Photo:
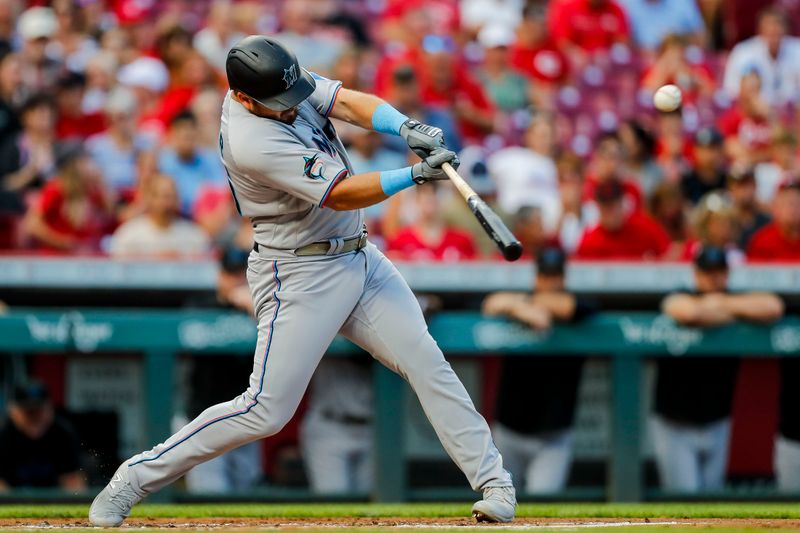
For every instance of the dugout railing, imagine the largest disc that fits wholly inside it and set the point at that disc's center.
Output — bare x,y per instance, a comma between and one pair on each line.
628,339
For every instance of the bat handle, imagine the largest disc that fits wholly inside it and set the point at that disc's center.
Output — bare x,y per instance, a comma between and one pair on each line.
463,187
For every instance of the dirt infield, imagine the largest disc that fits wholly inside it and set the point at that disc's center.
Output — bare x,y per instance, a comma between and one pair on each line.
222,524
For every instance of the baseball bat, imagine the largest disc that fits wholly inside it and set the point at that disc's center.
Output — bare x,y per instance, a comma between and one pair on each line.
491,223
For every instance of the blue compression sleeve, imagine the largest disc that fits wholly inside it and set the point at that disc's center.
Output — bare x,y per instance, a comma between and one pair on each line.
393,181
386,119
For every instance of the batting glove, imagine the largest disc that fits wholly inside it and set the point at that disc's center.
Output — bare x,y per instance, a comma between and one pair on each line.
421,138
430,168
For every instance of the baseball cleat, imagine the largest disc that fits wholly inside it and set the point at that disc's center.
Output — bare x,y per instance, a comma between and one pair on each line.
498,505
114,503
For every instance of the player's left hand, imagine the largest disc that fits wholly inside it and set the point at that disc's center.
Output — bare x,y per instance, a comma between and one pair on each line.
430,168
422,138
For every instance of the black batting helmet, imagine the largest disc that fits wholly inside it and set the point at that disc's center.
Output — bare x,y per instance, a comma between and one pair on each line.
268,72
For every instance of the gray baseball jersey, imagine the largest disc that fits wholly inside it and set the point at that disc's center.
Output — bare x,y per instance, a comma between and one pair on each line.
281,174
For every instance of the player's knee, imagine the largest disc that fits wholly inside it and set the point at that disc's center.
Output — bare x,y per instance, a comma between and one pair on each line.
271,421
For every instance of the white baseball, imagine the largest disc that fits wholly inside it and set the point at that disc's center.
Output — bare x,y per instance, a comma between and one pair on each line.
667,98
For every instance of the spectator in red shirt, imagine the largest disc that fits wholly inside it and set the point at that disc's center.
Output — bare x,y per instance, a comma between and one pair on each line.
618,235
780,239
429,238
447,82
73,212
534,53
583,27
747,126
606,166
672,67
73,123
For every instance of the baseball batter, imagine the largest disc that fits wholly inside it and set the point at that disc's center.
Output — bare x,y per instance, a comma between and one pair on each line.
313,274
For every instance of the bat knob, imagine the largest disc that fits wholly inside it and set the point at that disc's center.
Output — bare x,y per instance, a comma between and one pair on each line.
512,251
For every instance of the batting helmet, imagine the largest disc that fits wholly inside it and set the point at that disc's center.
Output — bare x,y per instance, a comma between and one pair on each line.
268,72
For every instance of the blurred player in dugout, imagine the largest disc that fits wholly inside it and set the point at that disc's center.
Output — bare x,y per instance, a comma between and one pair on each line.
693,396
534,424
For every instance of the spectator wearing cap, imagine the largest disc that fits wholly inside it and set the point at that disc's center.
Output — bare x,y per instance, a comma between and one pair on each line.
535,411
782,164
36,27
148,78
708,172
73,123
748,124
26,159
527,175
605,165
39,449
191,166
429,238
219,34
118,149
159,232
508,89
534,52
715,224
742,192
651,21
619,235
581,28
773,55
780,239
73,212
693,396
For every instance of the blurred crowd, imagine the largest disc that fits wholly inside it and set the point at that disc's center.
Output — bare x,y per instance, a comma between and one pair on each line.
109,116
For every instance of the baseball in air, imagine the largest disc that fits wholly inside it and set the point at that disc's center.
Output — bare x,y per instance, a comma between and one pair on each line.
667,98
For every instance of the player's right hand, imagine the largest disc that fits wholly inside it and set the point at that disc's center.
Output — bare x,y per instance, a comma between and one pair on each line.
430,168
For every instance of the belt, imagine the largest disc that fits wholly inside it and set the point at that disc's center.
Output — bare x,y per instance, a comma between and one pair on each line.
330,247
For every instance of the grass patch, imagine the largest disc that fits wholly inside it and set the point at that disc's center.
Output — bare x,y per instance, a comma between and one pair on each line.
423,510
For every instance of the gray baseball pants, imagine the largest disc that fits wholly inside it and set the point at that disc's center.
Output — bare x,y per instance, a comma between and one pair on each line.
301,305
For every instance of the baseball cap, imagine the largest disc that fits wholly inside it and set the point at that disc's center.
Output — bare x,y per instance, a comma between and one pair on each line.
495,36
711,258
147,72
708,136
550,260
30,395
608,191
68,152
37,23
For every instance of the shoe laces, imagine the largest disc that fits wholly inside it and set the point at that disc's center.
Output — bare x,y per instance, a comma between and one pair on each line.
123,496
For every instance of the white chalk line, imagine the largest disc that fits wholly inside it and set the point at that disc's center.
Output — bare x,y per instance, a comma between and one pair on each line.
290,525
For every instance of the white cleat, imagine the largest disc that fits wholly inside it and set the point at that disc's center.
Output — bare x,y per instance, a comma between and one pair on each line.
114,503
498,505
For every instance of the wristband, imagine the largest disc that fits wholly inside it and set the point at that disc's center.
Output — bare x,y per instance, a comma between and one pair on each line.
387,119
394,181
